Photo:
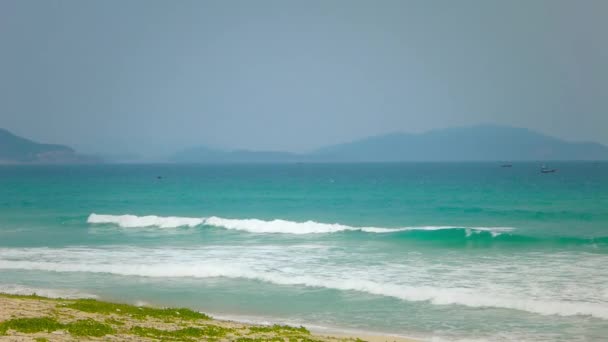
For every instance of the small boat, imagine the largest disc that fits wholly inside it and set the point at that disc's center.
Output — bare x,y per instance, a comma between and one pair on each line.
506,165
544,169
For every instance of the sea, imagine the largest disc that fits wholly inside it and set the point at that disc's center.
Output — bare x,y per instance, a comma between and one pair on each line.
433,251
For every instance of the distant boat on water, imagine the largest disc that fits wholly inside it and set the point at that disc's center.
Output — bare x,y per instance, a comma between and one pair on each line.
544,169
506,165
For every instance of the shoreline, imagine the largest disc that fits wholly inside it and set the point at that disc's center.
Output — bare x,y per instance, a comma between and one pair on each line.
32,317
317,329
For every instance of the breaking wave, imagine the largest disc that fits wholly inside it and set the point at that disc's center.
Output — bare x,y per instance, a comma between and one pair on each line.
132,221
271,226
470,297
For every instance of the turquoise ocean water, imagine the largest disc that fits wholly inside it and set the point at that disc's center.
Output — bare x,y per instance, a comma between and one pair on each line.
436,251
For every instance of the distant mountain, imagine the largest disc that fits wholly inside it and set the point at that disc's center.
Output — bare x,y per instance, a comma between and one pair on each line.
18,150
475,143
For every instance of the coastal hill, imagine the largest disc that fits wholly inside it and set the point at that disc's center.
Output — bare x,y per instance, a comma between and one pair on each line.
18,150
474,143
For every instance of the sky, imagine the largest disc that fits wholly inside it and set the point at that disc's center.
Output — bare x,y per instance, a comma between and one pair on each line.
151,77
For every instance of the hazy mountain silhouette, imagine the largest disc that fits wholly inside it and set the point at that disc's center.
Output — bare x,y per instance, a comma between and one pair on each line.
475,143
18,150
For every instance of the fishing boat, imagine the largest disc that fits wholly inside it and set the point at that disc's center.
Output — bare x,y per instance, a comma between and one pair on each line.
544,169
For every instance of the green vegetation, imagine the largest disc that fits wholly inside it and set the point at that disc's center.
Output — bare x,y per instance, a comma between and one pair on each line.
209,331
86,327
279,329
31,325
169,324
89,327
94,306
262,339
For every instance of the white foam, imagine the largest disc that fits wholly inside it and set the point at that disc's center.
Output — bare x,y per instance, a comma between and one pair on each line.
263,226
132,221
437,296
217,263
276,226
16,289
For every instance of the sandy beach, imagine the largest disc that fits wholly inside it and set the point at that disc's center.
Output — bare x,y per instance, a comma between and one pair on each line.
34,318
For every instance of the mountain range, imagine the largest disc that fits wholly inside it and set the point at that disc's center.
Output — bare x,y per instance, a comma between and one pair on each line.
18,150
473,143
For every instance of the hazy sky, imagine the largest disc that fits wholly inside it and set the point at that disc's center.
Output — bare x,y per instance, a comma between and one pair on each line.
154,76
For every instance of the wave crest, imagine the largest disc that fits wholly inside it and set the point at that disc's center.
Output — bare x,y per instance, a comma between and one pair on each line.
132,221
263,226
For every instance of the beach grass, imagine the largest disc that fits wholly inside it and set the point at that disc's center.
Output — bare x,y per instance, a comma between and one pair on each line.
89,327
48,319
185,334
31,325
85,327
139,312
280,329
